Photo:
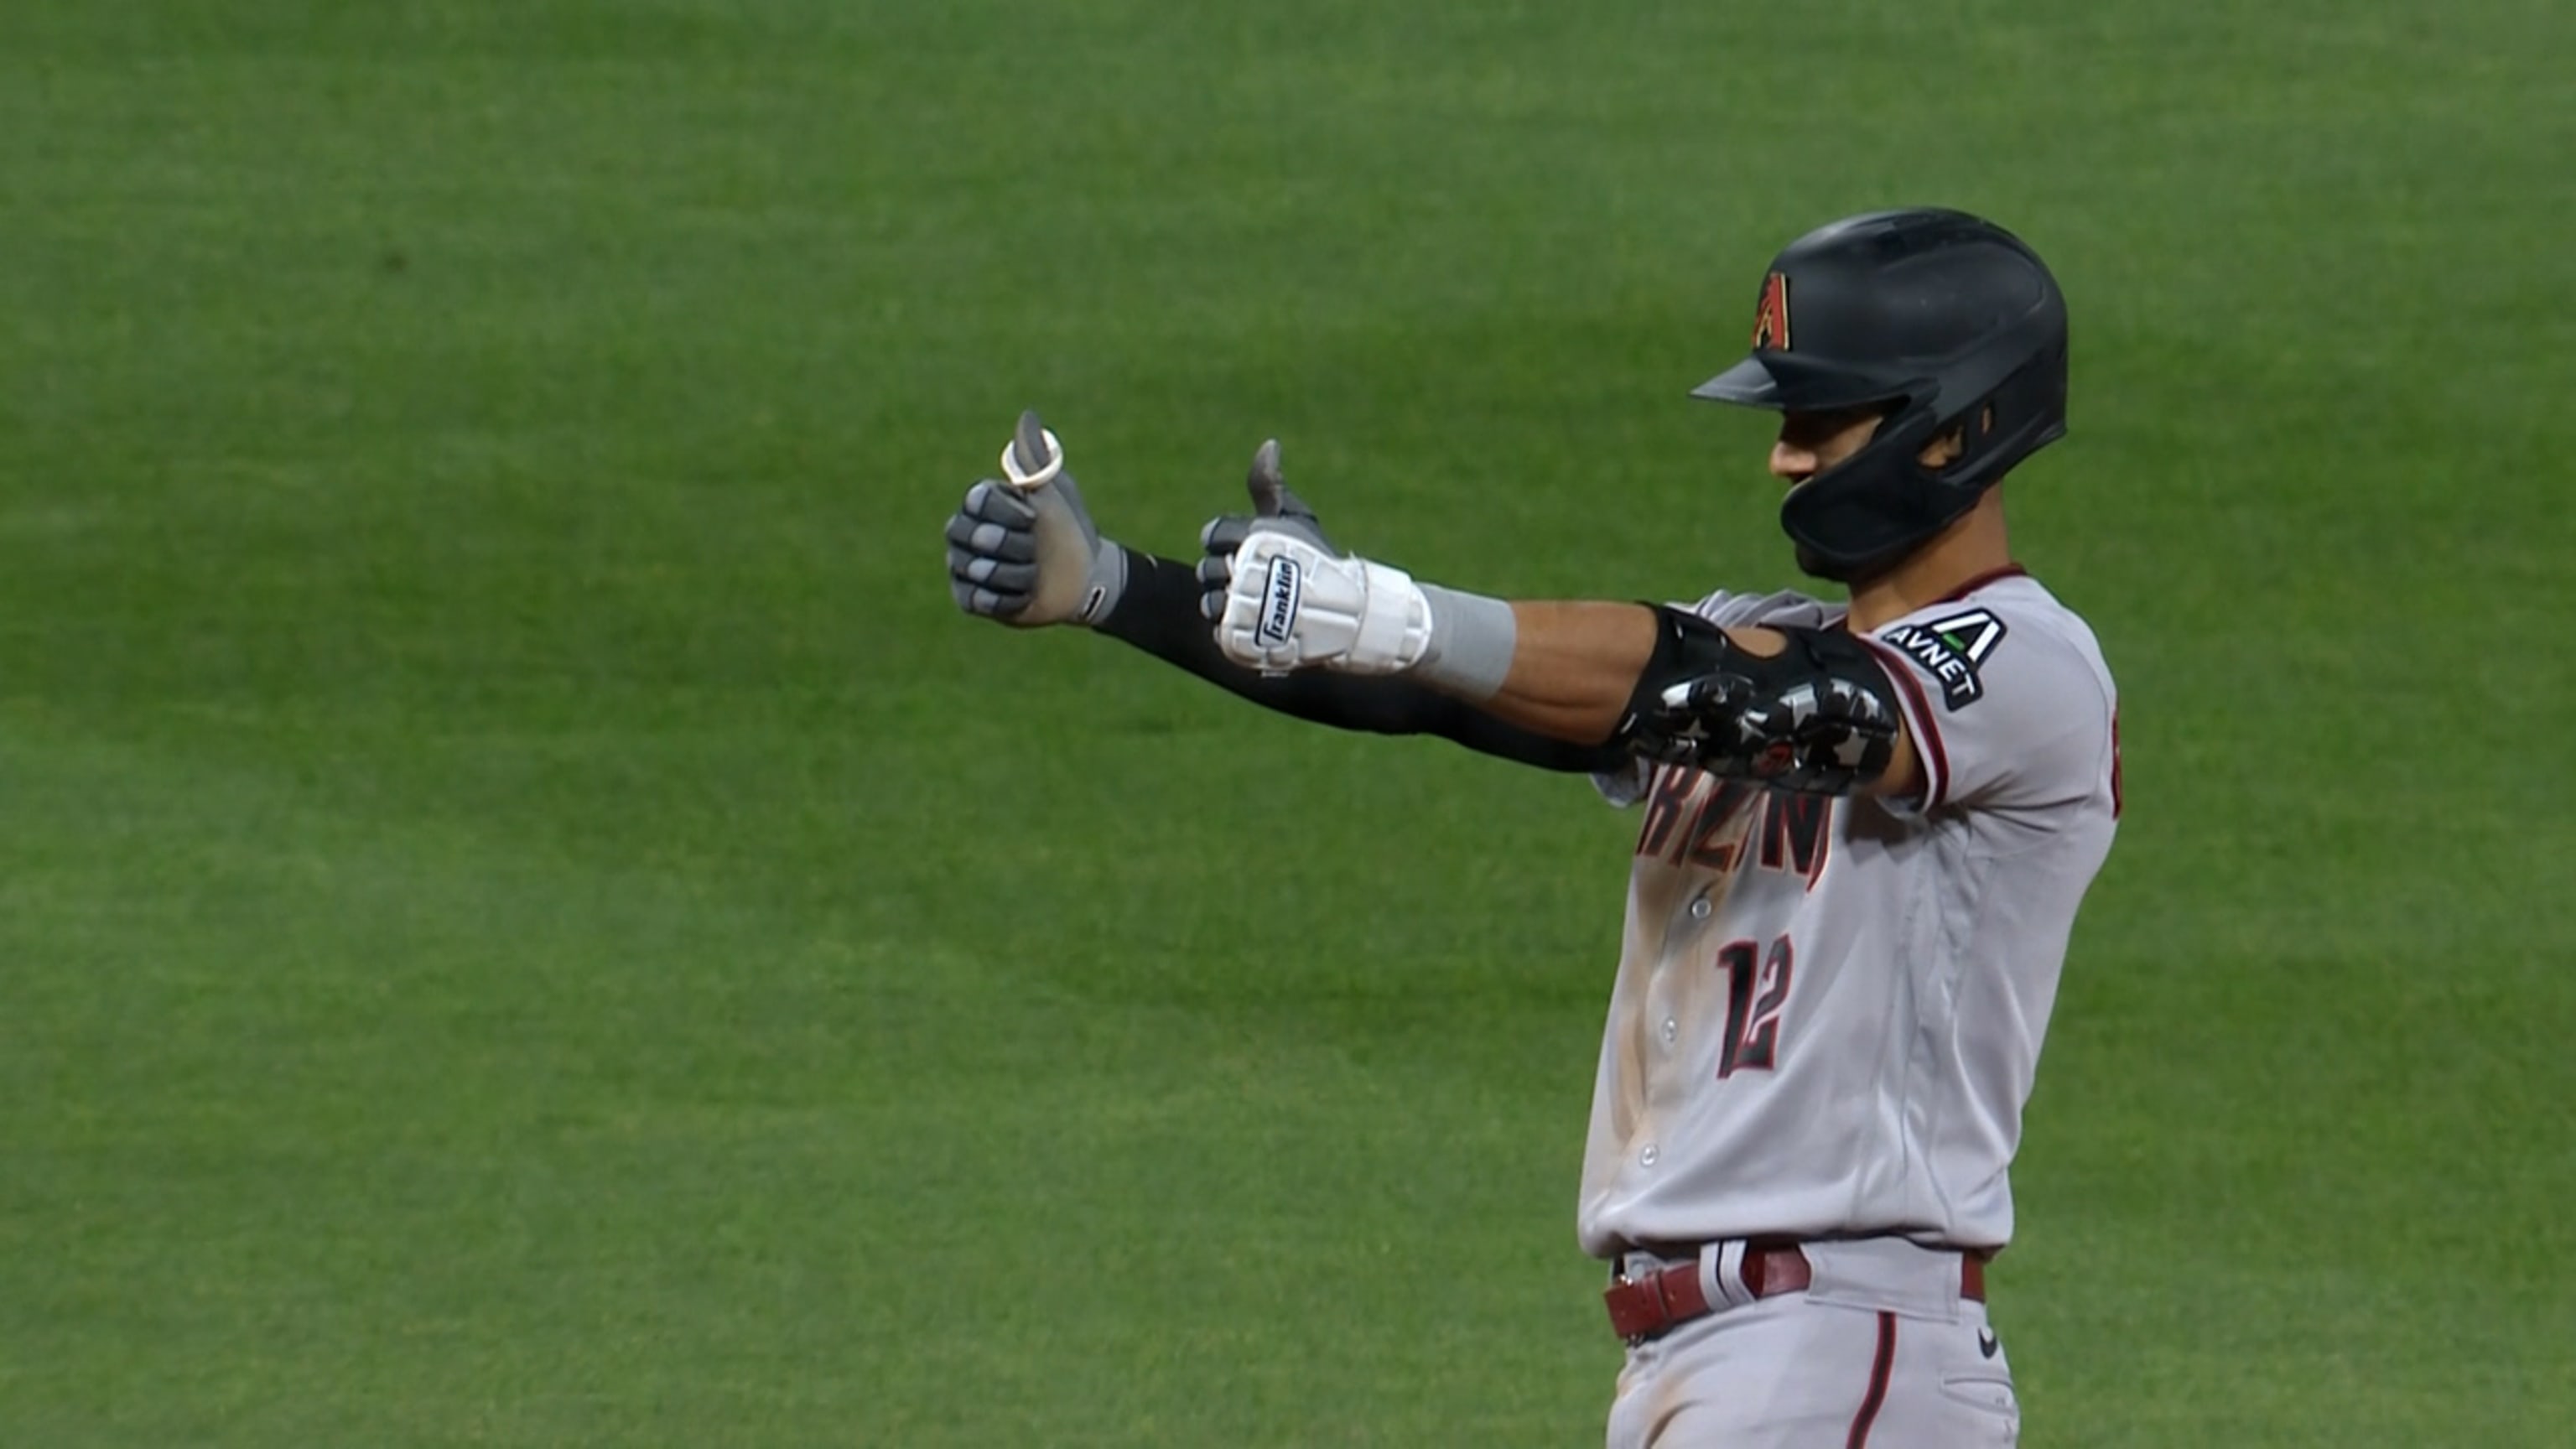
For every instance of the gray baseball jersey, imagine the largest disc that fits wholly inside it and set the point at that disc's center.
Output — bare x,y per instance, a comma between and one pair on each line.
1829,1011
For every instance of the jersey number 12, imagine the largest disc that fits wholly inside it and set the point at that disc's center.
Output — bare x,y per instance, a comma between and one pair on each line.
1757,985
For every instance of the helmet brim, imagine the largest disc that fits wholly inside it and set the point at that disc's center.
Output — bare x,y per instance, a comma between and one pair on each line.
1786,382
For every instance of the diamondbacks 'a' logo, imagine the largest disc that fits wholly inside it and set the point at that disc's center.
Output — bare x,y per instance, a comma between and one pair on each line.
1771,315
1950,650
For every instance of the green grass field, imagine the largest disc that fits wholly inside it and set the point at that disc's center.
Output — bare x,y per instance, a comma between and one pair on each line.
526,917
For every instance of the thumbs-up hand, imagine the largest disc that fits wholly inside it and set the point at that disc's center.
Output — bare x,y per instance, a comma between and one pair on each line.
1025,551
1274,506
1283,598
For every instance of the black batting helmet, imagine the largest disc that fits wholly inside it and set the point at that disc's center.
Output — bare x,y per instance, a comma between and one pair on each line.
1946,321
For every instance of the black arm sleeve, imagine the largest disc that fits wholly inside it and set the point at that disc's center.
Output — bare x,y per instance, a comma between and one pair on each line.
1159,613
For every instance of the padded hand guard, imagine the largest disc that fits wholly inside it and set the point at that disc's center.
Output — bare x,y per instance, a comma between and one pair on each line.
1816,718
1290,605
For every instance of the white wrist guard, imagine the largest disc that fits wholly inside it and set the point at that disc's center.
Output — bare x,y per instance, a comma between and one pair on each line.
1292,605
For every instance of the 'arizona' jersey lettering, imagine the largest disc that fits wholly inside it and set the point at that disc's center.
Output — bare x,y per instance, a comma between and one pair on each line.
1828,1012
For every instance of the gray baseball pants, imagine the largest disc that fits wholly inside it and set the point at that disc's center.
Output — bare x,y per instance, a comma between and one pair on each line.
1880,1352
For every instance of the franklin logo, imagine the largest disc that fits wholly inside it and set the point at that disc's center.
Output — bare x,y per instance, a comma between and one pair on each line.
1950,650
1771,315
1279,601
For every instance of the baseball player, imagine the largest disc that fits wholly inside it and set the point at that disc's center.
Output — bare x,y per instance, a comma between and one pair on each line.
1867,826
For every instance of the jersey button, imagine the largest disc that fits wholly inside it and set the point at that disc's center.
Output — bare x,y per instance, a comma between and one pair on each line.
1700,909
1647,1157
1672,1030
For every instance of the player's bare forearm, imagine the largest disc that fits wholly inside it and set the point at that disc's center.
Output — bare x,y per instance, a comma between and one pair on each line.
1574,668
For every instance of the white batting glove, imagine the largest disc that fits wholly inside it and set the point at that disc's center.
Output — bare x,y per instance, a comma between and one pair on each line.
1291,605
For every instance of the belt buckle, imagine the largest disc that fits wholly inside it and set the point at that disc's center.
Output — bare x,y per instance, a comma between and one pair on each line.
1644,1336
1653,1286
1636,1265
1650,1286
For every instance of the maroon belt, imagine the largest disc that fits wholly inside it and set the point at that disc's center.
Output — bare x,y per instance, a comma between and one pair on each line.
1649,1307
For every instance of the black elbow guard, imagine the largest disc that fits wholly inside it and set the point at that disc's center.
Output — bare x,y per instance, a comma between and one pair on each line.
1819,717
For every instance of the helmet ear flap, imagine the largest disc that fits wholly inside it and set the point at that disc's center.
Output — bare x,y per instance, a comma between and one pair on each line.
2025,412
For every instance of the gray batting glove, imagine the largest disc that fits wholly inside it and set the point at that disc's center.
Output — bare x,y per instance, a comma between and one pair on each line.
1030,557
1274,506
